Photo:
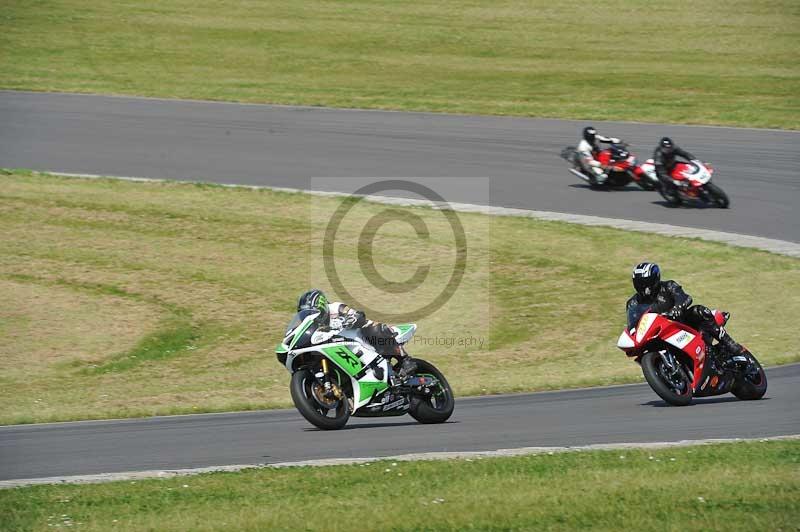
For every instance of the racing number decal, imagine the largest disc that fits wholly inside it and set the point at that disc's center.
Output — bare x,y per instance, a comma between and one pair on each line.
343,356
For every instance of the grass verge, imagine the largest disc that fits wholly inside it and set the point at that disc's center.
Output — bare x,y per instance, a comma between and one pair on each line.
131,299
738,486
700,61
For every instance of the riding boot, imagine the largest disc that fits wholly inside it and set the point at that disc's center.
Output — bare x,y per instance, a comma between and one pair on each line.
407,367
729,345
727,349
597,177
667,185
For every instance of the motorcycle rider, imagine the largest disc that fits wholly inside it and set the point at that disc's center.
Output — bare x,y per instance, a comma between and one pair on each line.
668,298
340,316
587,151
664,159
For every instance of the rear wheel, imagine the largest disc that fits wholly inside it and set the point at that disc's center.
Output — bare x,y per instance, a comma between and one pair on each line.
437,407
322,411
670,383
752,384
717,195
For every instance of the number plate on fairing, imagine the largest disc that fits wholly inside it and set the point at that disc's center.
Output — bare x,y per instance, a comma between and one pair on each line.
644,325
680,339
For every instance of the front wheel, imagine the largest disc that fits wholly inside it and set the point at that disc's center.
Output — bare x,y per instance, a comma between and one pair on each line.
718,196
308,395
437,407
752,384
670,383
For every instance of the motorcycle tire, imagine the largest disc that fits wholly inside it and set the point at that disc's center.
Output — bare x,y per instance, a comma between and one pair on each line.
753,384
423,409
310,408
653,370
644,184
718,196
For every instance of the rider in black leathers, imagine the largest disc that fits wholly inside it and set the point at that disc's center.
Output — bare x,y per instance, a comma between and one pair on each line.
664,159
668,298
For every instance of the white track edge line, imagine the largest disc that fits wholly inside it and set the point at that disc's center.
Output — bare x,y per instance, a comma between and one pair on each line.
455,455
779,247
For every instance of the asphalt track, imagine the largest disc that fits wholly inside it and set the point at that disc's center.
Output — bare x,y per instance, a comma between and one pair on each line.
567,418
287,146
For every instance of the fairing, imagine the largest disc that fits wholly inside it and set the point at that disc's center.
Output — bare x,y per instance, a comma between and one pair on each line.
695,172
653,327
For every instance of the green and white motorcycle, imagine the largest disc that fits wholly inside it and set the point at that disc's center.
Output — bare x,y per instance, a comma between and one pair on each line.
337,374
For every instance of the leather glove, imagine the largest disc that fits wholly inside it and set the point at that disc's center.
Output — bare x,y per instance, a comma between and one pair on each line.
354,319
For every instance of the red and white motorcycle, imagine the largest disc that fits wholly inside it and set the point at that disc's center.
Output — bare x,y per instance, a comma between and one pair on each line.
692,183
674,362
619,163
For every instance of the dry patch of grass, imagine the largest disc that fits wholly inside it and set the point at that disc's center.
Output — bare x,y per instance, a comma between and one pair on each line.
128,299
42,325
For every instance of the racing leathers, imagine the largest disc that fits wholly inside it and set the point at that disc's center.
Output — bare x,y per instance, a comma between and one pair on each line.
378,335
672,301
586,153
664,161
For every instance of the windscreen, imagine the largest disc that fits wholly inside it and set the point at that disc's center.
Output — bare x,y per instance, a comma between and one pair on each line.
635,312
298,319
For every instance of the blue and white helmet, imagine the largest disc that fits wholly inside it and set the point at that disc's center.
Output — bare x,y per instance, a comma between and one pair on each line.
314,300
647,279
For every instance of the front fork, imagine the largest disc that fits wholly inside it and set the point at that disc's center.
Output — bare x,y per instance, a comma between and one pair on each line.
674,365
323,377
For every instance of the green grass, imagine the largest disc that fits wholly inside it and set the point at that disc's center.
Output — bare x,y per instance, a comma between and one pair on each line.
700,61
132,299
741,486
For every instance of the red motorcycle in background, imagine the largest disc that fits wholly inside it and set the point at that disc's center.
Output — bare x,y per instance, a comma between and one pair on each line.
674,362
619,163
692,183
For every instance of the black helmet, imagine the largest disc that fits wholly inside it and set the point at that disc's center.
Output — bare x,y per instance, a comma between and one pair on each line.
589,134
647,279
314,300
666,145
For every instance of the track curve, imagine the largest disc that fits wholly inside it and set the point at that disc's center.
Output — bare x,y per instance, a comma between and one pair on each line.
617,414
287,146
